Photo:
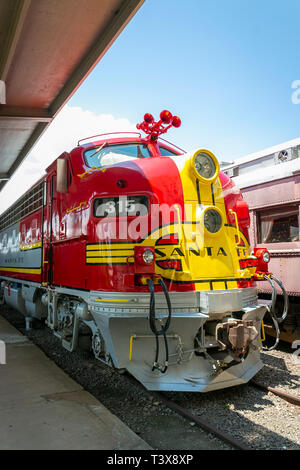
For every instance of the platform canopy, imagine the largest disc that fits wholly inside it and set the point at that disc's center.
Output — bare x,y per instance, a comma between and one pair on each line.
47,49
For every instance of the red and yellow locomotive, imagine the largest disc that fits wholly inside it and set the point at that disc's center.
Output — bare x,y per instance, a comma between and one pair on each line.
143,249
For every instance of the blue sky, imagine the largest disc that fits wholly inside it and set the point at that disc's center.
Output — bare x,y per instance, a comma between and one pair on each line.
225,67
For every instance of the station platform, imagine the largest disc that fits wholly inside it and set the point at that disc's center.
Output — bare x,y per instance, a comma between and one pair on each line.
43,408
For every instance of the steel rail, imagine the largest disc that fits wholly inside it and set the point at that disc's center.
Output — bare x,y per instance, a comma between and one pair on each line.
293,399
190,416
203,424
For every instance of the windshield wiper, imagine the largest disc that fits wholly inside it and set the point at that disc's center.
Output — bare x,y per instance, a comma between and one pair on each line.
98,149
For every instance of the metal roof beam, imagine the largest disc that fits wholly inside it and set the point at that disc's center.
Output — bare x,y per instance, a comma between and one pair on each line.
24,113
19,12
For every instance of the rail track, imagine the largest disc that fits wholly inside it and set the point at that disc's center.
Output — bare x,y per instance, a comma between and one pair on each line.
203,422
289,397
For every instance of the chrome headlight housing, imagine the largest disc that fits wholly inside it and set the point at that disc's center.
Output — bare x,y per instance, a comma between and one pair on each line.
148,257
205,165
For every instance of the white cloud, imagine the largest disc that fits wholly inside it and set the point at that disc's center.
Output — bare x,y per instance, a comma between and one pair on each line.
70,125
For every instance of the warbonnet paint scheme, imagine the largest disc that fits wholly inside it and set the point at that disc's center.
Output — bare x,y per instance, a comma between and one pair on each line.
140,250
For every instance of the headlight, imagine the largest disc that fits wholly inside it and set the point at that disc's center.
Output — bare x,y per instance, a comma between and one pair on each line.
205,165
148,256
212,220
266,257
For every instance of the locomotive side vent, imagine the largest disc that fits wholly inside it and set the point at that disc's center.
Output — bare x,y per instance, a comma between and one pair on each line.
296,152
30,202
283,156
232,171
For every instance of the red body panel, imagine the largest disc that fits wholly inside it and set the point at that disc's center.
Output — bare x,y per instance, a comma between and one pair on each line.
69,224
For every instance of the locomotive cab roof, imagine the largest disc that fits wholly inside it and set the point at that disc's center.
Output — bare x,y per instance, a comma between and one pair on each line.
115,138
112,148
152,130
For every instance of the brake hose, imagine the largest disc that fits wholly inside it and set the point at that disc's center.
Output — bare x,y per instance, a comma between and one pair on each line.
164,328
272,279
151,316
285,297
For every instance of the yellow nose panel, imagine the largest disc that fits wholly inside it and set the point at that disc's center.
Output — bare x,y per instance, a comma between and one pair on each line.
205,256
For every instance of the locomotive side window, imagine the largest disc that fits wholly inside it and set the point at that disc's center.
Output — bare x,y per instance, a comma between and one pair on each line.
278,226
111,154
166,152
123,206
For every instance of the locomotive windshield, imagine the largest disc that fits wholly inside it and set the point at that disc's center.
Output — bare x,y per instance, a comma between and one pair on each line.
166,152
111,154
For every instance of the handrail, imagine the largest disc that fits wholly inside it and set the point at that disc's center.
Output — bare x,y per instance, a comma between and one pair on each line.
173,145
232,212
108,133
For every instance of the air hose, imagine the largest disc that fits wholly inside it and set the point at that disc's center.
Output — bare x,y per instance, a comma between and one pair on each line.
164,328
272,279
285,297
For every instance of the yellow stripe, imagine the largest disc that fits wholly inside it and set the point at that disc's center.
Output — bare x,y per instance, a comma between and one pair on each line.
263,335
110,247
131,346
21,270
108,253
112,300
81,175
78,207
232,284
108,260
31,246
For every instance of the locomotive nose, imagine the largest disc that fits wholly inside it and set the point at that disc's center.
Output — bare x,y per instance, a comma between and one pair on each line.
205,240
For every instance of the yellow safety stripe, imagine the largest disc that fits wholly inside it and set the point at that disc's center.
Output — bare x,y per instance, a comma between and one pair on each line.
22,270
31,246
76,208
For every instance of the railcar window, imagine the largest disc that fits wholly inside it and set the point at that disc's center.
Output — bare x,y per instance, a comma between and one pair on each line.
128,206
111,154
278,227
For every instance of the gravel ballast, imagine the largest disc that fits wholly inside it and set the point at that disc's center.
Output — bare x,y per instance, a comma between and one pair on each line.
259,419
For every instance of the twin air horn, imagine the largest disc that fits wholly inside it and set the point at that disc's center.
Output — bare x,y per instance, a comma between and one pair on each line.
154,129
